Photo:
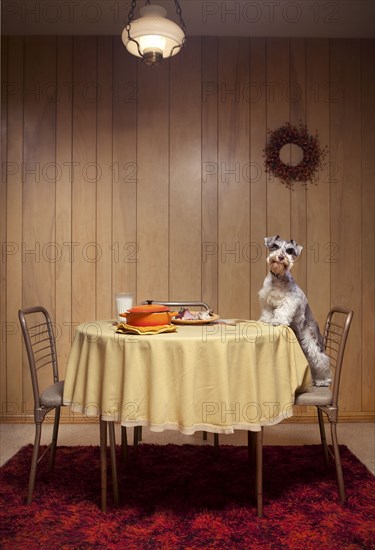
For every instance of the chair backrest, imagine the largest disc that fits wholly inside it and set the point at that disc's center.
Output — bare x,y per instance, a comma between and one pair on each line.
335,336
202,305
40,345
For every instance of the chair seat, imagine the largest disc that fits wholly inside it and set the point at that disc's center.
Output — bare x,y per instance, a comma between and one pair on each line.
315,396
53,395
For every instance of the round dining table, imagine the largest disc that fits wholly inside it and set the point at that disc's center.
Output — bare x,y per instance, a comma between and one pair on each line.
212,377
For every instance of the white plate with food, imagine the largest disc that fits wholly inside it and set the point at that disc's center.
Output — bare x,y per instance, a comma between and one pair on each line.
187,317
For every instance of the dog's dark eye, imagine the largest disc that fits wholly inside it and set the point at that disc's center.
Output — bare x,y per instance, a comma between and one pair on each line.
290,251
275,247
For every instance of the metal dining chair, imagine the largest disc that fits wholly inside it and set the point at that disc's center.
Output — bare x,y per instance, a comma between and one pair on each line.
138,429
40,345
323,398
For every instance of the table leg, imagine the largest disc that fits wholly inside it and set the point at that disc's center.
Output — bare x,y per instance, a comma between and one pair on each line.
124,443
112,448
251,445
136,436
216,444
259,472
103,463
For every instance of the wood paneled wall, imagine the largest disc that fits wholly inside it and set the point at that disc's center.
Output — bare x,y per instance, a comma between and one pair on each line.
116,177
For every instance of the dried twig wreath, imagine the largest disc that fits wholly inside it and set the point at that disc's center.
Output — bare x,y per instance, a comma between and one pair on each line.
313,154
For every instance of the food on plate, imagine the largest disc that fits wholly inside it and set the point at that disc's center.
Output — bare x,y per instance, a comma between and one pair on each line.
188,315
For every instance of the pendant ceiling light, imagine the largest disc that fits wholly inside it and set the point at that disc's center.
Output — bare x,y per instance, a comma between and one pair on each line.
153,37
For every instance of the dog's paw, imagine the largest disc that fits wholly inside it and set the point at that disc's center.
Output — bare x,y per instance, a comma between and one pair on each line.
270,322
265,319
323,383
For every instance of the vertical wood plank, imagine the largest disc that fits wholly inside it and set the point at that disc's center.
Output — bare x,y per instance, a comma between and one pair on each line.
310,200
278,112
185,174
39,185
368,224
296,94
63,222
210,171
153,182
345,116
234,188
125,171
104,294
12,337
318,236
318,195
3,223
258,179
86,253
39,173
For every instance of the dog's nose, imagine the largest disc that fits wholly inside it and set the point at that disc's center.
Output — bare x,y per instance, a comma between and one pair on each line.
281,258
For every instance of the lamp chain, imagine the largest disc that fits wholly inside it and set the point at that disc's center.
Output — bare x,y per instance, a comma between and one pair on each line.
147,3
179,13
131,12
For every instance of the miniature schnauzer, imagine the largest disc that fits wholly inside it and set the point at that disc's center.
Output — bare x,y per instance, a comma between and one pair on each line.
284,303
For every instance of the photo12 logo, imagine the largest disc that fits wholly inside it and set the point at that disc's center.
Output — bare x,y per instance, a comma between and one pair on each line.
270,12
57,12
243,413
70,171
53,252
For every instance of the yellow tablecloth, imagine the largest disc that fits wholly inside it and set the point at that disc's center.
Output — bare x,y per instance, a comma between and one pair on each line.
216,378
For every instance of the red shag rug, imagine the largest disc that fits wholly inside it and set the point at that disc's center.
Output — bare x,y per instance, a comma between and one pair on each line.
183,497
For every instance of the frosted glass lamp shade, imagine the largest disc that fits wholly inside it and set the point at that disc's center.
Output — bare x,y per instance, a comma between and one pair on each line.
152,36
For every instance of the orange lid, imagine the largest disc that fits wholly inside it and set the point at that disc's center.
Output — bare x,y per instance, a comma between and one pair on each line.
149,308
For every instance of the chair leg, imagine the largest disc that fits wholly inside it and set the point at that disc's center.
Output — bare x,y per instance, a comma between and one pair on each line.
34,462
112,448
216,440
259,472
103,463
336,452
124,443
54,438
323,438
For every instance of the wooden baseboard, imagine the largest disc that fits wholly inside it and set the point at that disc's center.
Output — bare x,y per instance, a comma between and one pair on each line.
299,418
347,417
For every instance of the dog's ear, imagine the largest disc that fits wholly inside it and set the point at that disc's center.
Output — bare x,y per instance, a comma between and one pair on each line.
299,249
268,241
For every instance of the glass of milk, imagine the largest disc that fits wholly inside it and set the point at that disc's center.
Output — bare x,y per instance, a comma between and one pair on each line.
124,302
